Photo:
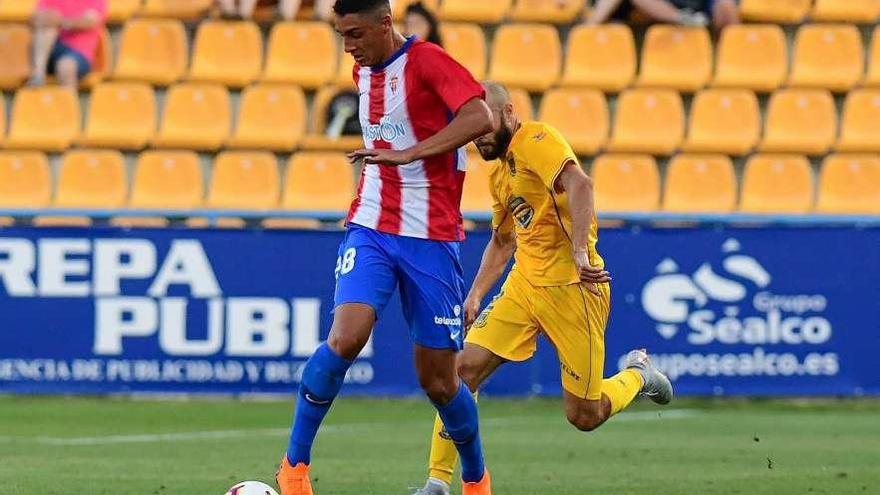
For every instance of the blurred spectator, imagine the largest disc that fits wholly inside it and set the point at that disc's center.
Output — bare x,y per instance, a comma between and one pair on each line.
67,34
722,13
287,9
421,22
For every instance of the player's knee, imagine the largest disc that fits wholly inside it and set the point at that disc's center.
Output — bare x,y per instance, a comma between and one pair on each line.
346,344
585,419
438,390
469,372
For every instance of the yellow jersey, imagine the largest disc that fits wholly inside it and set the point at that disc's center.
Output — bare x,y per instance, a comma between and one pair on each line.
524,199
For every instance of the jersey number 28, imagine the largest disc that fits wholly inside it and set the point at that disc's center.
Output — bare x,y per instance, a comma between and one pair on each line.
345,263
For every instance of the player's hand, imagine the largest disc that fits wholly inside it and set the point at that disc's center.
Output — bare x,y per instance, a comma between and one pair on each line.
382,157
590,275
471,311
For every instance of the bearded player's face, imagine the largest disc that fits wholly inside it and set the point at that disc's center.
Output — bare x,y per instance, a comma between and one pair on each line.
494,144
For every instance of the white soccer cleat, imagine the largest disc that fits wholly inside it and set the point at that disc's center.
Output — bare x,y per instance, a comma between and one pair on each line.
656,386
434,487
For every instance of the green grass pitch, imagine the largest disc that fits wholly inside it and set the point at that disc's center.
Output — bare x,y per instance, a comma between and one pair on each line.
74,446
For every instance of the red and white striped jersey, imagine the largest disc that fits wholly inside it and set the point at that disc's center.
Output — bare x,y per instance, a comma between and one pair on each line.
409,98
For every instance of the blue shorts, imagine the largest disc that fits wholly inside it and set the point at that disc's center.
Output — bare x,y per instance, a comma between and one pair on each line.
372,264
60,50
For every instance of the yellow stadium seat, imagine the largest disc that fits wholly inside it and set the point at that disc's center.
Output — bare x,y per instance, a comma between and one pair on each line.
676,57
318,181
119,11
522,103
61,221
344,73
46,118
167,180
626,183
271,117
302,53
15,42
121,115
316,139
484,11
17,10
476,196
528,56
859,11
399,7
724,121
153,51
872,78
827,56
850,184
602,57
25,180
92,179
779,11
245,180
700,184
580,114
800,121
860,125
227,52
544,11
292,223
140,222
648,121
777,184
467,44
752,57
178,9
197,116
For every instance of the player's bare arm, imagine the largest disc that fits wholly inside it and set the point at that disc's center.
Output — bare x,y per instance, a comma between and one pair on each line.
472,120
579,188
496,256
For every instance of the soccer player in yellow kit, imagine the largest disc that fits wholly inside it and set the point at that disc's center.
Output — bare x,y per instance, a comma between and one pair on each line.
543,215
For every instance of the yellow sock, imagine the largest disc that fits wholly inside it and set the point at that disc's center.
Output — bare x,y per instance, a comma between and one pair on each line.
621,389
441,464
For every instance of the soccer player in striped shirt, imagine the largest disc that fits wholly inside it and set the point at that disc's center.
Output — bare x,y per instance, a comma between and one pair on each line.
418,108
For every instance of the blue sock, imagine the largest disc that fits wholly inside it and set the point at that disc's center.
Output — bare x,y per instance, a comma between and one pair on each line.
462,423
321,381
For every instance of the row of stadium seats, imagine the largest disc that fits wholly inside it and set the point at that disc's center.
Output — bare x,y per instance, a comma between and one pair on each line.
494,11
484,11
174,180
695,183
706,183
273,117
829,56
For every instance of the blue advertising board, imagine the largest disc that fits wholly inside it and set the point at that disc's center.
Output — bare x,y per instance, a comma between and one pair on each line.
732,311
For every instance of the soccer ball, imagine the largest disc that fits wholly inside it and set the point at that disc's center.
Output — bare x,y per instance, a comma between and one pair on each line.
251,488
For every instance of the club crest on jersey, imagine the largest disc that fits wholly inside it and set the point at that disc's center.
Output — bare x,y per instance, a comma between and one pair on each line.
522,212
511,164
385,131
394,82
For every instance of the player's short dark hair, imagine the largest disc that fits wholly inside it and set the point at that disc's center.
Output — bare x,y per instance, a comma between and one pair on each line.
345,7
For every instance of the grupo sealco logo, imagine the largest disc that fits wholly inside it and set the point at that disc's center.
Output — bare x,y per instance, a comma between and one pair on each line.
731,301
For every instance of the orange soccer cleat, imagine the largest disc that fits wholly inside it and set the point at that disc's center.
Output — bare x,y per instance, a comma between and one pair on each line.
482,487
295,480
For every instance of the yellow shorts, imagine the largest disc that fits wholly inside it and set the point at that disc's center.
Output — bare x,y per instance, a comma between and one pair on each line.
571,317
